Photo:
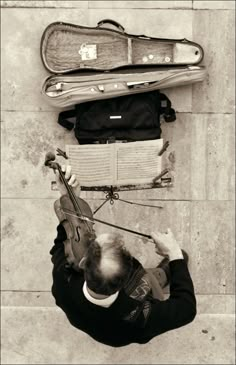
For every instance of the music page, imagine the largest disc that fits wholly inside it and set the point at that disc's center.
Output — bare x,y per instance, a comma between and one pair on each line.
115,163
138,162
93,164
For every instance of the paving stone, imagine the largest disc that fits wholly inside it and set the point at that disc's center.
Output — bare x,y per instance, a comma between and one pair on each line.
199,156
26,138
216,93
221,149
212,247
22,90
53,340
212,148
197,4
180,97
206,304
141,4
27,299
215,304
44,4
28,231
28,25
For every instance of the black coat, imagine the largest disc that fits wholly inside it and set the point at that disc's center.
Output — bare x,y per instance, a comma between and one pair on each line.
106,325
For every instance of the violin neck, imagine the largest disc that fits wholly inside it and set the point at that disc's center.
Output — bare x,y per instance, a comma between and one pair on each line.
69,189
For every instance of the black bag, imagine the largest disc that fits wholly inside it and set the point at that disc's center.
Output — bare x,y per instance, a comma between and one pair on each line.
125,118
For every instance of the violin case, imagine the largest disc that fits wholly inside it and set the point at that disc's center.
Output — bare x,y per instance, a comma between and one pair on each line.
91,63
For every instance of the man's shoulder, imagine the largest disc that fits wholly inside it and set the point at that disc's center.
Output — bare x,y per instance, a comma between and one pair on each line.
137,285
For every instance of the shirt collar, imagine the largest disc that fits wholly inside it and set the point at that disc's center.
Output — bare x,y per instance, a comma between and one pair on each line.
106,302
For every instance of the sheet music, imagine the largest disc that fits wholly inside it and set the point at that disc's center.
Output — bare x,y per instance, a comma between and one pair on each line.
116,163
138,162
93,164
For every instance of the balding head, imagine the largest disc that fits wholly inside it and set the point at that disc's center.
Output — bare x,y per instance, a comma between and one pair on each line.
110,245
107,264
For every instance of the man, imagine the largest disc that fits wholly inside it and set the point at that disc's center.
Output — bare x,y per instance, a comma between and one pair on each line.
112,297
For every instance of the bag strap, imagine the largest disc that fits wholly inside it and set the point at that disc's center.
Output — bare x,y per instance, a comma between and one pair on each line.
67,119
166,110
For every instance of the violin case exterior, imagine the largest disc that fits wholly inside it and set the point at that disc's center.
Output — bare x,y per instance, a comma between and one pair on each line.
67,90
91,63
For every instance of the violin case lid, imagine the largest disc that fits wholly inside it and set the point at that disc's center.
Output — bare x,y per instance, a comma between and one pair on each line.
67,90
66,48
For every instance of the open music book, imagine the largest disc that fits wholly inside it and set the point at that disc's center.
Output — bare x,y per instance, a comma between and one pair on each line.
115,163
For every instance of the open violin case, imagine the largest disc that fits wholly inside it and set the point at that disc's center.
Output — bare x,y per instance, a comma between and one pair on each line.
92,63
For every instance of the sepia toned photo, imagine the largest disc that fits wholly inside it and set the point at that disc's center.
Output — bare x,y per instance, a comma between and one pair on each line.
117,182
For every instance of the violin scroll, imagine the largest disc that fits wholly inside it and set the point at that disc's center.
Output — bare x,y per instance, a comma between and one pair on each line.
49,158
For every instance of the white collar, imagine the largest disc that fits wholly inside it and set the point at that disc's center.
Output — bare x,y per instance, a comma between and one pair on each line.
106,302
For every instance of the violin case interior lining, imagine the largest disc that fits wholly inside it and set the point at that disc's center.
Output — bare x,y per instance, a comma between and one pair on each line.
67,47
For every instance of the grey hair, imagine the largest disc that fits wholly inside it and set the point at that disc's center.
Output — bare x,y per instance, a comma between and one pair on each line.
108,264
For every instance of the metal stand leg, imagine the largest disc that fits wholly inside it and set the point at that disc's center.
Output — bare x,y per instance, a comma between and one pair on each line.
100,206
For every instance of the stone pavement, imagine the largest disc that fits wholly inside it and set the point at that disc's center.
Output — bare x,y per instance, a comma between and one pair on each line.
199,208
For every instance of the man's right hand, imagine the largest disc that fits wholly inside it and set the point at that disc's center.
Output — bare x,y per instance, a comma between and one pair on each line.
166,245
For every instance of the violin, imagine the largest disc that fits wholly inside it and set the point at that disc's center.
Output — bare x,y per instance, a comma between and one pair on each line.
76,217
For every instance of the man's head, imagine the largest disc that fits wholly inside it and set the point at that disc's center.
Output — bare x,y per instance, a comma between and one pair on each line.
107,264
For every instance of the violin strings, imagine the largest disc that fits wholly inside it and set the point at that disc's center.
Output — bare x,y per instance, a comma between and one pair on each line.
83,218
72,195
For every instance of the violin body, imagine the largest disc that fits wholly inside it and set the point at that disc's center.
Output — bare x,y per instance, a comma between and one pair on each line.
79,231
76,217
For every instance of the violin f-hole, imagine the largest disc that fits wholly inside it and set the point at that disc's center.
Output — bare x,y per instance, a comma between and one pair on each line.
77,230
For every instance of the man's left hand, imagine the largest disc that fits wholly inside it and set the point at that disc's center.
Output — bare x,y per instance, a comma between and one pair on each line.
71,179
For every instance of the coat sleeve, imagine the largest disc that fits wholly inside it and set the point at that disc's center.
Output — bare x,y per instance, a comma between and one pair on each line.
178,310
57,251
